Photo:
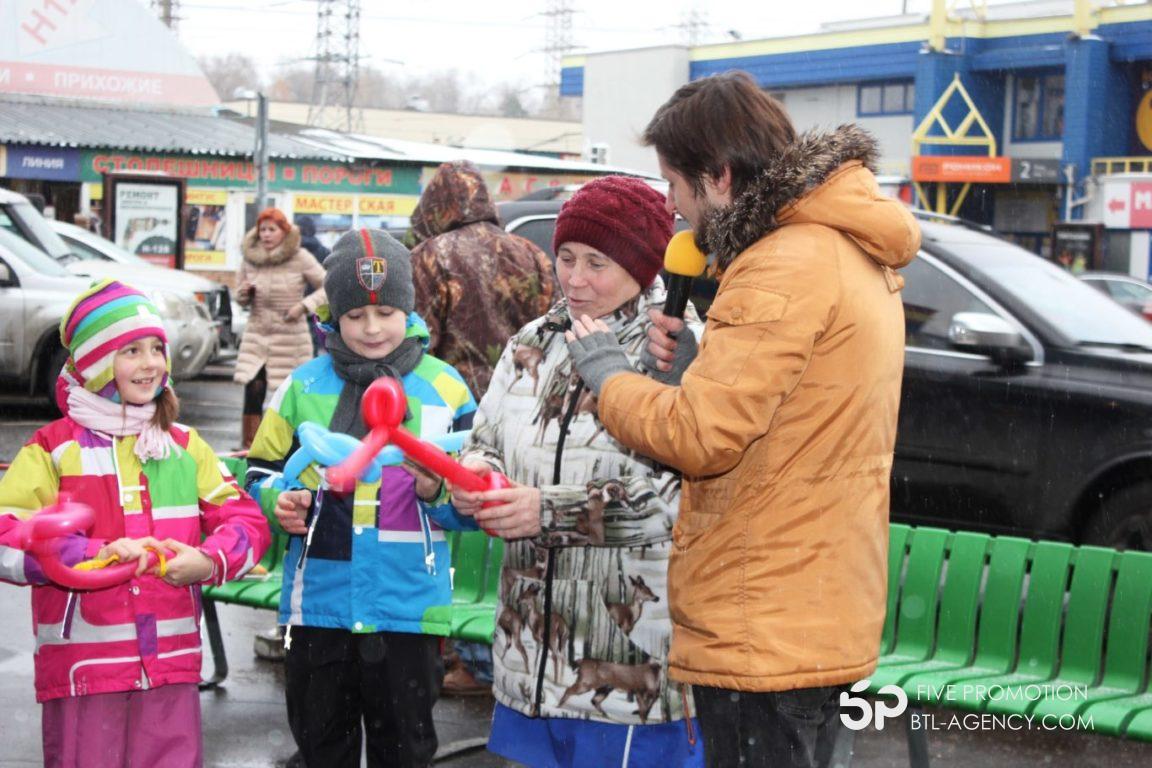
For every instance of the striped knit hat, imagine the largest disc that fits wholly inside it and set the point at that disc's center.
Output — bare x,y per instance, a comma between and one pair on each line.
104,319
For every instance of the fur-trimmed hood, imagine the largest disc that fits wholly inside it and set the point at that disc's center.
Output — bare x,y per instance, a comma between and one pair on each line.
822,178
255,254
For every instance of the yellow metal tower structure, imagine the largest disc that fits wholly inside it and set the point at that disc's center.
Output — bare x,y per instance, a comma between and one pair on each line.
962,135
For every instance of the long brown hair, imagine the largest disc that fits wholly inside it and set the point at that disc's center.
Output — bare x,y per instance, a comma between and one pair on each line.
167,409
718,122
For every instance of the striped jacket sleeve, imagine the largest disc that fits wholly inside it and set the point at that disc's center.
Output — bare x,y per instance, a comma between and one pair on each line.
275,442
440,509
236,533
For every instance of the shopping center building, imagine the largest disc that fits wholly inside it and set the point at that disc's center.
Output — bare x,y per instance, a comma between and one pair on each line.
1026,117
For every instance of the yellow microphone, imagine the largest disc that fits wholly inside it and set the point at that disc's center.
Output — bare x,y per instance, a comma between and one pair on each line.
683,261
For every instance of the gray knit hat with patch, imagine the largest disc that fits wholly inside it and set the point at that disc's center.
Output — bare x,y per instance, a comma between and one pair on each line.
368,266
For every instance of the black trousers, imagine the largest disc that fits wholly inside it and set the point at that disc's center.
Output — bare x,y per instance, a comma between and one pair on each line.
780,729
342,687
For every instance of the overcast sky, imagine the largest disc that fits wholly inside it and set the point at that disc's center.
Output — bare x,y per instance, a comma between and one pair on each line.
498,41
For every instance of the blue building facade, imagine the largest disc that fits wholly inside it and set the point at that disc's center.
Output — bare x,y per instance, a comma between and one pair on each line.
1060,97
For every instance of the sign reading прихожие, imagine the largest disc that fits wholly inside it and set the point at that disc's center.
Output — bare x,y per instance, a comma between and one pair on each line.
239,172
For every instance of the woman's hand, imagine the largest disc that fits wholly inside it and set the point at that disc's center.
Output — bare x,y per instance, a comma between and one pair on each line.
244,292
189,566
585,326
295,312
127,550
596,352
517,517
427,484
291,509
467,502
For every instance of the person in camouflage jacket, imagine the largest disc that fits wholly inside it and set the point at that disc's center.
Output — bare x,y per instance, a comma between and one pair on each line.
581,644
475,283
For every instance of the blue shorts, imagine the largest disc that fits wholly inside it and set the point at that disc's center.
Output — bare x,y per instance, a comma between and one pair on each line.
561,742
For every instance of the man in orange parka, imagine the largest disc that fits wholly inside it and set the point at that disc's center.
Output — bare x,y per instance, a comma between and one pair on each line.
783,424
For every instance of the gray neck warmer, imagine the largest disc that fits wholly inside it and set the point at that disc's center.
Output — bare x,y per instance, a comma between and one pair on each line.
358,372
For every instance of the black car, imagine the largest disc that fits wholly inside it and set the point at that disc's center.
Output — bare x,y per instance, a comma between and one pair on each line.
1027,399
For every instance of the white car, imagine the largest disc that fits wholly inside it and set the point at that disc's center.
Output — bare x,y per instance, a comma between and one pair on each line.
95,256
192,335
35,292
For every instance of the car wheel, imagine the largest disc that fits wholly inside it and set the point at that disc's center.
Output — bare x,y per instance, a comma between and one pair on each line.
1124,520
56,361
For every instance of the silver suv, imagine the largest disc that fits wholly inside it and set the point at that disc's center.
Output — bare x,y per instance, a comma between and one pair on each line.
35,291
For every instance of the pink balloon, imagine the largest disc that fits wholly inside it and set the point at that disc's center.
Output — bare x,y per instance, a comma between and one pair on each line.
42,536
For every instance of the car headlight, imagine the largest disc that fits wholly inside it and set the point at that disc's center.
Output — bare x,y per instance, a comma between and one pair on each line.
173,306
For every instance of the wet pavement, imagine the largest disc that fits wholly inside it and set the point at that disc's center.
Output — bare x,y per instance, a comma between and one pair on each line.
245,724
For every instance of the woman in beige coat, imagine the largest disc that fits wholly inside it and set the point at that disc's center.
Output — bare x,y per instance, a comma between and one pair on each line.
271,283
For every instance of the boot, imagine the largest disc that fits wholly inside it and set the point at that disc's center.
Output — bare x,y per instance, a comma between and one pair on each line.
269,644
250,424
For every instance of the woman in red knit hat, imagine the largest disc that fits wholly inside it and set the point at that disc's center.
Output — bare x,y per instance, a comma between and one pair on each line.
583,631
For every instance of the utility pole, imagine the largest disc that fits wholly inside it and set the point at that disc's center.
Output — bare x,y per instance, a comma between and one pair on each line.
337,60
260,153
168,11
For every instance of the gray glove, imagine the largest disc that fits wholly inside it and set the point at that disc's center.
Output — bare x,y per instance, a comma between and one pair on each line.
596,357
682,357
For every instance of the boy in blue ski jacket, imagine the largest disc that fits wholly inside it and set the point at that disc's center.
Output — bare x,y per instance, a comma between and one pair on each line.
364,568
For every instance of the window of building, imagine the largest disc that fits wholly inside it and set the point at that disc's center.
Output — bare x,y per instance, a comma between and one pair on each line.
874,99
1038,108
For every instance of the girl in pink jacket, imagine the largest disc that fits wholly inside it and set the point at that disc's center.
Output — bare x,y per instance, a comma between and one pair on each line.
117,668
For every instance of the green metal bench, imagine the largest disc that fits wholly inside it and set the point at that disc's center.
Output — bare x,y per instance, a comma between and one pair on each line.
985,624
476,562
259,589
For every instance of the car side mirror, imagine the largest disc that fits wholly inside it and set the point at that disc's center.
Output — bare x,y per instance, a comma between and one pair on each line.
6,279
982,333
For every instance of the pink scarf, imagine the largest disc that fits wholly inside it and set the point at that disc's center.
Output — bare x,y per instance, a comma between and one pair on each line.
99,414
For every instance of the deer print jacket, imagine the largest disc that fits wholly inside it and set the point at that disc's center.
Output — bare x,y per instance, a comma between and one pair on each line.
583,629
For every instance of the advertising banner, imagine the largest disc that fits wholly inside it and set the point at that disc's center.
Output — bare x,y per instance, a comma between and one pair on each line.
988,170
204,228
48,163
229,172
332,214
385,211
147,219
111,50
981,169
1128,204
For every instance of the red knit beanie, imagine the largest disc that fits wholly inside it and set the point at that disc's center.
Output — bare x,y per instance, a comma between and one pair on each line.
623,218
